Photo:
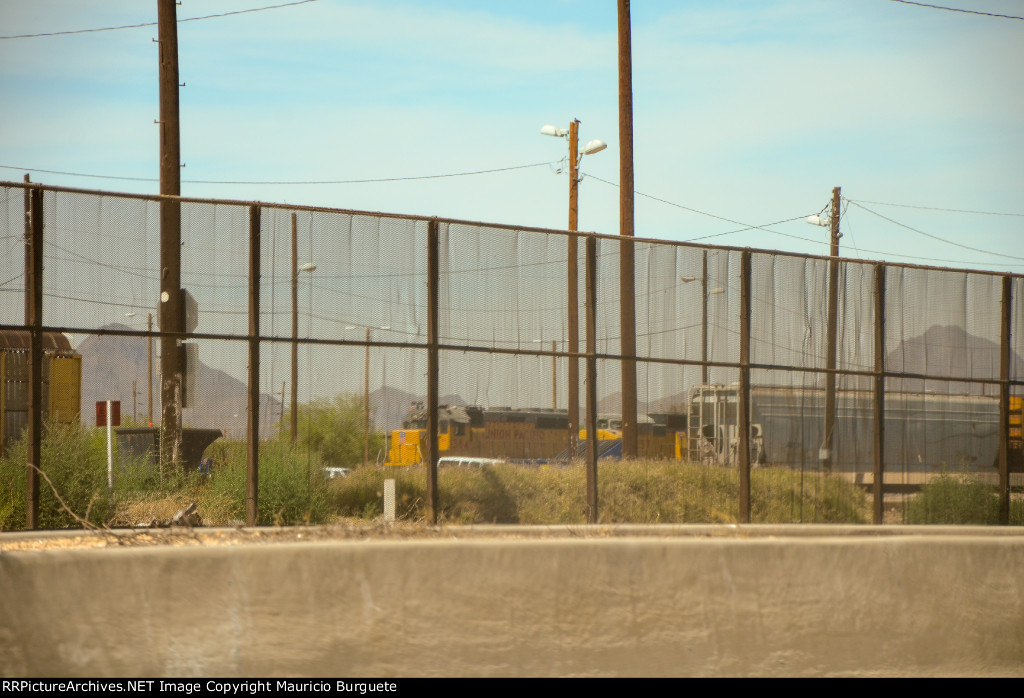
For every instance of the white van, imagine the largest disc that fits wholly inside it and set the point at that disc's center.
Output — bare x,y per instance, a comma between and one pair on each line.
467,462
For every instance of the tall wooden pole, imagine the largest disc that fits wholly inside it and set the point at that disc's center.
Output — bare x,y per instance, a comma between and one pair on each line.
171,313
573,298
828,457
627,289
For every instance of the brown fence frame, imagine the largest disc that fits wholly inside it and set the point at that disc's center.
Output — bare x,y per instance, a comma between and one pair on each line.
34,322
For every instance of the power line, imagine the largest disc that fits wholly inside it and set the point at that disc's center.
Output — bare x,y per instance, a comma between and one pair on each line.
283,182
935,208
821,242
153,24
955,9
936,237
712,215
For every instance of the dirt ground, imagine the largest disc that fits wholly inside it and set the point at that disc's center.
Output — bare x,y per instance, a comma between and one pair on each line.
201,536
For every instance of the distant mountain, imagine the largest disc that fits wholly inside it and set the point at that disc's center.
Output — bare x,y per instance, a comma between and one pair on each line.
388,407
110,364
612,404
948,351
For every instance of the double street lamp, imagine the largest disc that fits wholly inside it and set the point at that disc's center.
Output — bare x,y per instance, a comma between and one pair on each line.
575,156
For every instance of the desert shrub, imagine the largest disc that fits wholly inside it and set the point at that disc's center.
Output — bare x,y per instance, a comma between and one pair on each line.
292,485
630,492
74,458
954,499
334,428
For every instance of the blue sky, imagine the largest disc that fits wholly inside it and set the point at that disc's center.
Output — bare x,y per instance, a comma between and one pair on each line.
750,111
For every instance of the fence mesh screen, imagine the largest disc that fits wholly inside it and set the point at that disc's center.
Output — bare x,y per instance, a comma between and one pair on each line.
343,355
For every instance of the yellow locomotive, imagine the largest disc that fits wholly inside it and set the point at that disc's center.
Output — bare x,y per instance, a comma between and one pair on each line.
535,434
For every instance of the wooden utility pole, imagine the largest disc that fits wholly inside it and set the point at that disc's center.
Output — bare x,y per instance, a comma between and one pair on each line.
627,289
573,299
171,314
827,457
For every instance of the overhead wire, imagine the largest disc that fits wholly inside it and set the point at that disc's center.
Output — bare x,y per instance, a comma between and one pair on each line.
936,208
936,237
153,24
284,182
955,9
712,215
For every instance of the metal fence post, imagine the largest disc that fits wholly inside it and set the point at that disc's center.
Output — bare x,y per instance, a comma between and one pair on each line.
877,484
743,404
253,435
591,393
34,320
1004,404
433,366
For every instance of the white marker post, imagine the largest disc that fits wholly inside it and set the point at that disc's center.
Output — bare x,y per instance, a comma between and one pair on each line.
389,500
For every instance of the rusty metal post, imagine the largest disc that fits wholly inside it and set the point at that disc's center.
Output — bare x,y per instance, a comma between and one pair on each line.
1004,403
34,320
591,391
743,401
704,322
28,246
253,436
433,367
172,312
830,349
554,376
366,404
149,369
573,301
627,287
294,417
878,484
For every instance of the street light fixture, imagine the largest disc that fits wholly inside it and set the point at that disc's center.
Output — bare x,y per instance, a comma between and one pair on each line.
575,156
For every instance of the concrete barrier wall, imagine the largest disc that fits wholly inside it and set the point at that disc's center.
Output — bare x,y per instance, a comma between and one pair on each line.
742,602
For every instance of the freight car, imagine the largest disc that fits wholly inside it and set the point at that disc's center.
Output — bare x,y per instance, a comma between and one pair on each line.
924,432
61,379
516,434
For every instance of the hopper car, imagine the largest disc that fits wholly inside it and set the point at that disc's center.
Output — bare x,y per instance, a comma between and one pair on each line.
61,379
924,432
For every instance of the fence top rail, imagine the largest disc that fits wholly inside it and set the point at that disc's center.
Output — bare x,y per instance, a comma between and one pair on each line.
501,226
